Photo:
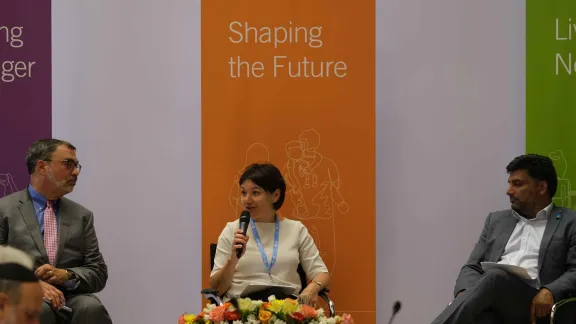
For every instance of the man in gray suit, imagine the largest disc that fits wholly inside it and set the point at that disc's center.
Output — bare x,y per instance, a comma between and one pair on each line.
59,234
535,235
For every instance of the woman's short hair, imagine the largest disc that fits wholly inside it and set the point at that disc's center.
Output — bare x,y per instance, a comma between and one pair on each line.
268,177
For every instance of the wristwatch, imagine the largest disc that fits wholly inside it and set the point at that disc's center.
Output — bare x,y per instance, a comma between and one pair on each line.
71,275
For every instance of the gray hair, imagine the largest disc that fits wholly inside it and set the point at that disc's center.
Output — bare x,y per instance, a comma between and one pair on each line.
42,150
12,255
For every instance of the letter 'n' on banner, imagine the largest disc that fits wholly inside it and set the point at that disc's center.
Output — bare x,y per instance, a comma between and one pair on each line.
293,83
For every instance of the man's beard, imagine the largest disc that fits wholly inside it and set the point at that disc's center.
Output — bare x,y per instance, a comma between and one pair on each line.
63,184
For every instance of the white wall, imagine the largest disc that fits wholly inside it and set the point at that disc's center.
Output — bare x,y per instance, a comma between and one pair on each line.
126,84
450,111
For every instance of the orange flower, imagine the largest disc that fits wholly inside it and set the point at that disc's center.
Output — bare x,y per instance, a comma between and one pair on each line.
231,316
347,319
297,316
308,311
217,314
264,316
266,305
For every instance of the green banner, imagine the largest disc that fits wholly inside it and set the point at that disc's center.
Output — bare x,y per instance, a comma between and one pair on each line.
551,89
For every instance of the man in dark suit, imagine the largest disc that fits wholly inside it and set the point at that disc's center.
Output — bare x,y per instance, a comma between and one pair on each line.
59,234
534,235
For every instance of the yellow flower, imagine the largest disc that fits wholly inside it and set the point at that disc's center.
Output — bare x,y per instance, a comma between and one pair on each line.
245,304
186,319
264,316
289,306
276,305
189,318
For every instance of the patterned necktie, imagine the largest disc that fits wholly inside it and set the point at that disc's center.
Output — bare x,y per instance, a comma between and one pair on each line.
50,232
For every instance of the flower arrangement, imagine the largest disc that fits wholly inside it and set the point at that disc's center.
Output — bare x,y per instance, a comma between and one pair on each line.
275,311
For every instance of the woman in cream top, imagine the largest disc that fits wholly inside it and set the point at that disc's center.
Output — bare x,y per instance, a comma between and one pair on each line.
263,191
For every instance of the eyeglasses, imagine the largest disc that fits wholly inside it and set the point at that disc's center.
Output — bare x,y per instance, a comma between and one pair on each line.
69,164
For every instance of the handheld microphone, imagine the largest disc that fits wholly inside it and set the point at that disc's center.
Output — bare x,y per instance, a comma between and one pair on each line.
395,310
244,221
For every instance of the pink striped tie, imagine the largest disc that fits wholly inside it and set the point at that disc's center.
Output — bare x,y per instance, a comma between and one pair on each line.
50,232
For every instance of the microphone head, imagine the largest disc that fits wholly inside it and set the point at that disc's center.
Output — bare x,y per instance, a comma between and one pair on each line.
397,306
245,216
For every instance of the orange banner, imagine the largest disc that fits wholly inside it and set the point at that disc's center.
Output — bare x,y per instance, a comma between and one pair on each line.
293,83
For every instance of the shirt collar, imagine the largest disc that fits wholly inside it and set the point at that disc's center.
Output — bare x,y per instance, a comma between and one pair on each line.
541,215
38,199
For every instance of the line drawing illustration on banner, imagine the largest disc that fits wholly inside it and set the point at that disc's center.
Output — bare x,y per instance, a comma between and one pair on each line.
313,186
565,193
7,184
256,153
308,170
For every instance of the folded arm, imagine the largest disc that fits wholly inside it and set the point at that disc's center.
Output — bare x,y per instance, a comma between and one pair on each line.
565,285
225,261
93,274
312,263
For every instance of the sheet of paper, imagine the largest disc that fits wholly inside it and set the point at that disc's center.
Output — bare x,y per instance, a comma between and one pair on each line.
251,288
512,269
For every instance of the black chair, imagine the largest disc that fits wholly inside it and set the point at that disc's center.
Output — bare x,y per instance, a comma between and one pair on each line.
212,294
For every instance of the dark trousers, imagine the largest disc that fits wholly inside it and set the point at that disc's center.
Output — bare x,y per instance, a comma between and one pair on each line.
497,297
264,294
86,309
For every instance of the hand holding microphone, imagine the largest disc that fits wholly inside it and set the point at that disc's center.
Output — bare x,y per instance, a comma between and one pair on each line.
240,238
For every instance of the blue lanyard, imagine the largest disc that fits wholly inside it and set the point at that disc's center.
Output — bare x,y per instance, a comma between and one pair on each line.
261,248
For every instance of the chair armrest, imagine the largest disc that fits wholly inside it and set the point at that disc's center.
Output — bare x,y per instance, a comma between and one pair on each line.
560,304
212,295
324,295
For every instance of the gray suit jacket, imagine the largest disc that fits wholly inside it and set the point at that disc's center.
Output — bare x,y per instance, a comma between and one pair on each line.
78,248
556,259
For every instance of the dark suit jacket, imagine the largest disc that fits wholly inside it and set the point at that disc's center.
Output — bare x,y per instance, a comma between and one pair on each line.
78,248
556,259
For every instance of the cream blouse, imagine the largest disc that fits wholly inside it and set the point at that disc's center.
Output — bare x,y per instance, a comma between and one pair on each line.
295,245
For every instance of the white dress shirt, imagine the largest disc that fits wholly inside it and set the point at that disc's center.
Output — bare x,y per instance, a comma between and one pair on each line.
523,246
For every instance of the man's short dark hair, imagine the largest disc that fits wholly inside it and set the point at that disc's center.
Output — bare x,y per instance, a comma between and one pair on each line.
268,177
42,150
538,167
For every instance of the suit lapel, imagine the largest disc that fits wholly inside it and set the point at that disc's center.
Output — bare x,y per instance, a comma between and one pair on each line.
505,229
28,213
63,227
551,226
